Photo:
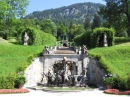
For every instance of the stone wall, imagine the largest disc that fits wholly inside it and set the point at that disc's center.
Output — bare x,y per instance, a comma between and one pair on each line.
94,72
34,72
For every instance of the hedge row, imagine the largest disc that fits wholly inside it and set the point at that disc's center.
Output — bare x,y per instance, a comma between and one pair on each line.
84,38
118,40
36,37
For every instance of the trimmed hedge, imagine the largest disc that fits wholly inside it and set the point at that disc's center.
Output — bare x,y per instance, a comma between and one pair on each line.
84,38
37,37
118,40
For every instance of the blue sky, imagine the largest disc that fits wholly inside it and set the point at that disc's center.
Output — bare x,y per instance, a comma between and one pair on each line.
40,5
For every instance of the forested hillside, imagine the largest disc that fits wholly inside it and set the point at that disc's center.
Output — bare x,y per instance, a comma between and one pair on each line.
76,13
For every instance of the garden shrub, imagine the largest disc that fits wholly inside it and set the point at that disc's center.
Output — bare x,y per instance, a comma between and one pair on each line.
11,81
37,37
22,67
121,83
128,82
7,82
3,82
20,80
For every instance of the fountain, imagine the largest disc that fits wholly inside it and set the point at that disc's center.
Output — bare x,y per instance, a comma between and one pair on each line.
63,68
64,73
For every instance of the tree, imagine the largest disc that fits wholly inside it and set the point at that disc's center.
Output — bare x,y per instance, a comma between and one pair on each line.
4,7
117,13
80,29
61,29
49,26
87,23
11,9
75,30
96,21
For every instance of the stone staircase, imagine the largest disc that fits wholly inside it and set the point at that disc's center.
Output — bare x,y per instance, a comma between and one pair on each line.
65,50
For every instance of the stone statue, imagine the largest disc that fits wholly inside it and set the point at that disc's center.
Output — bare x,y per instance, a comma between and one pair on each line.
26,37
105,40
84,49
46,50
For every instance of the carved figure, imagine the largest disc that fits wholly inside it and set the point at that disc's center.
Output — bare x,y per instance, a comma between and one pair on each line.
84,49
26,38
46,50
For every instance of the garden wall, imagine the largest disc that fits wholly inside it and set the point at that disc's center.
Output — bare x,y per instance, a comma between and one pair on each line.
95,73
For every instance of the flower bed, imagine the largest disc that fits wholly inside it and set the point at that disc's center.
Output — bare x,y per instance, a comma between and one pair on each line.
116,91
9,91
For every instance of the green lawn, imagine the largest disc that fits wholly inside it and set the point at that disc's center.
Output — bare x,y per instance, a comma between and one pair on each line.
116,57
12,56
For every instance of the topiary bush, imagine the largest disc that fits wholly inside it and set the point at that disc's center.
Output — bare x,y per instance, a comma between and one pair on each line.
36,37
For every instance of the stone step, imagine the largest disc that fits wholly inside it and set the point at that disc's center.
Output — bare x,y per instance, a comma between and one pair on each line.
64,50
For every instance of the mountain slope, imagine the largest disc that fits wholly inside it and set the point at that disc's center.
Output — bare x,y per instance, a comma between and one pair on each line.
76,12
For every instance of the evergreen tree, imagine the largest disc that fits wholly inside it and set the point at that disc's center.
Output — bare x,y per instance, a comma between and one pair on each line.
96,21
